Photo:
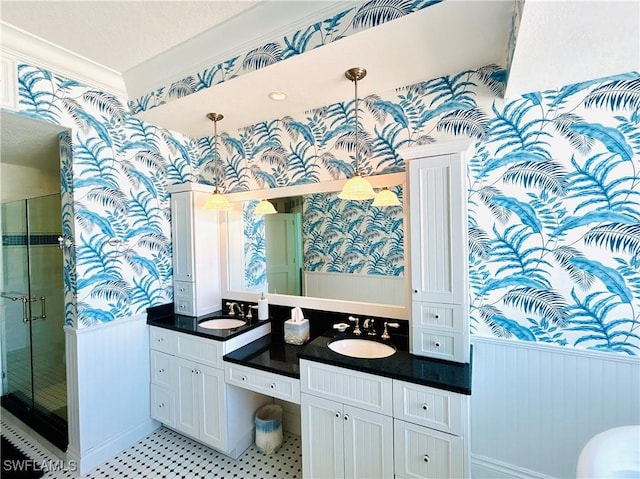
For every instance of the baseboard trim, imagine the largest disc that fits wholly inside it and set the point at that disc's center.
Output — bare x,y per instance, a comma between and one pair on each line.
489,468
98,455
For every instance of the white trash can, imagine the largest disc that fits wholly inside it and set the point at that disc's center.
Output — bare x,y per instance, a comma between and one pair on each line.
269,428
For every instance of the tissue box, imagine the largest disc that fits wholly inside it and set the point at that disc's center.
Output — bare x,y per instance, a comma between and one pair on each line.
296,333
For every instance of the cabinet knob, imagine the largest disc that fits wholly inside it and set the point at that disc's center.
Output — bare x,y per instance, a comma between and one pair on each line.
182,290
244,378
161,370
160,340
197,371
437,344
338,414
182,306
426,458
188,275
425,407
161,405
193,371
272,385
437,316
415,291
346,417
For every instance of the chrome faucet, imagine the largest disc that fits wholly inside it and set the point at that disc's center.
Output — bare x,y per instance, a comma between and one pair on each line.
369,324
231,307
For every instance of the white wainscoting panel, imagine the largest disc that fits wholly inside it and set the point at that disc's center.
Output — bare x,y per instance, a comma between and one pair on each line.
365,288
535,406
108,389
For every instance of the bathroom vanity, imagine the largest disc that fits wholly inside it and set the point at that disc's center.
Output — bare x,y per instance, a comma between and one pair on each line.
405,415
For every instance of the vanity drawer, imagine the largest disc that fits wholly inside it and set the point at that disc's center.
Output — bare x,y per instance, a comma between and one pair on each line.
160,339
185,306
439,344
435,408
423,452
183,290
162,408
275,385
161,369
363,390
446,317
202,350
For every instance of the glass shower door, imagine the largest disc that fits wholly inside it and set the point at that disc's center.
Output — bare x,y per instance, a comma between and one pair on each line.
33,307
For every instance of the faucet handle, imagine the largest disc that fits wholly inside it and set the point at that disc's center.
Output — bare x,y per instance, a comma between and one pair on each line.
231,311
385,333
356,329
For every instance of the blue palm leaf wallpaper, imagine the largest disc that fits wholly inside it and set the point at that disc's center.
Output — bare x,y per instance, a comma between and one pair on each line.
554,206
352,237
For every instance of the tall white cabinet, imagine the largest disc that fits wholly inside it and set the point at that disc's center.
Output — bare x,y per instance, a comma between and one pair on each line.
439,250
196,251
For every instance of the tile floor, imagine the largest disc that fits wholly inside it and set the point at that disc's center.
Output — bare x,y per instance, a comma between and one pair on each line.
167,454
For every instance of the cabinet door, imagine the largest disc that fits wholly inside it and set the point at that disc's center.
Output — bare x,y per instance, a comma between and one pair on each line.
212,407
438,229
368,440
185,388
182,236
322,438
422,452
162,405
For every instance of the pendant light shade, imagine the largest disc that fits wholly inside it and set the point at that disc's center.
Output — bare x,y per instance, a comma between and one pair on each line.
265,208
357,187
386,197
216,201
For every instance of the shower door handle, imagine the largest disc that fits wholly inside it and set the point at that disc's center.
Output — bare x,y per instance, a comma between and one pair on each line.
24,300
43,310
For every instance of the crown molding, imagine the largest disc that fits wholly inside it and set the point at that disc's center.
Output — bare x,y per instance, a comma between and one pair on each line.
27,48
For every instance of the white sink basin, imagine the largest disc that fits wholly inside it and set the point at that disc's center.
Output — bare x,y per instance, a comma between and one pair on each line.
362,348
222,323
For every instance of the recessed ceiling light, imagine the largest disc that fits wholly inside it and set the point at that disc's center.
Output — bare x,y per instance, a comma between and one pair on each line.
278,95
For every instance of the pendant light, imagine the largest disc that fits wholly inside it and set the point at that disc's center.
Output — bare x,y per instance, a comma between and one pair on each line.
216,201
356,187
386,197
265,208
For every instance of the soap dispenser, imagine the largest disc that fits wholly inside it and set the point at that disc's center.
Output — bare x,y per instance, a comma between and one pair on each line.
263,308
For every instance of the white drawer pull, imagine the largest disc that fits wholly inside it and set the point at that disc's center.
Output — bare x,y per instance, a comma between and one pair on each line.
161,405
437,316
338,414
426,458
160,340
272,385
437,344
244,378
161,370
346,417
182,290
425,407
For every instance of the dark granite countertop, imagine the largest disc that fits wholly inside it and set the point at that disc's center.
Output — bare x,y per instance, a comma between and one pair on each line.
401,365
270,353
166,318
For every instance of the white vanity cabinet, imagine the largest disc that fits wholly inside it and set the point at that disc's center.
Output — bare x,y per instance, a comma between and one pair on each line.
438,250
196,251
347,428
189,394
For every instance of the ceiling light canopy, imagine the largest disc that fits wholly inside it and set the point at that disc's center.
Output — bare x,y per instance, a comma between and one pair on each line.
357,187
216,201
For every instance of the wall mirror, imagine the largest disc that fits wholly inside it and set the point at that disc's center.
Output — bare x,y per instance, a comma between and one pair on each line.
318,251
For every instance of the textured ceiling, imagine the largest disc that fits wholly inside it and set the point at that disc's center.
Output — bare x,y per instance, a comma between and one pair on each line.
115,34
28,142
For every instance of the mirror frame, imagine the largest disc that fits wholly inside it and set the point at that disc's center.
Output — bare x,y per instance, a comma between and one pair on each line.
352,307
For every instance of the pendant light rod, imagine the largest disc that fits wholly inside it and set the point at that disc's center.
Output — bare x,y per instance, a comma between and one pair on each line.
215,118
355,74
